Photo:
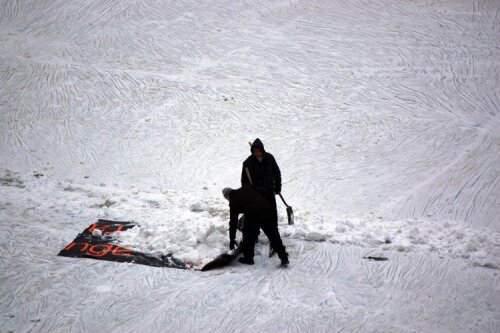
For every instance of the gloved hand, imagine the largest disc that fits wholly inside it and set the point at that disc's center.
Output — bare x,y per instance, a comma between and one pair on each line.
277,190
232,244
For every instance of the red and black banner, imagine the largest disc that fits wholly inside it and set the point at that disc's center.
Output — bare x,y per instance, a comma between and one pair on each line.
86,245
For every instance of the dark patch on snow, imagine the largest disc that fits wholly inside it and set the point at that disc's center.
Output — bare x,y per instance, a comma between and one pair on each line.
488,265
7,179
374,258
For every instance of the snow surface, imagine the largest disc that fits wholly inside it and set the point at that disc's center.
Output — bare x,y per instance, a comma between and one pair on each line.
384,119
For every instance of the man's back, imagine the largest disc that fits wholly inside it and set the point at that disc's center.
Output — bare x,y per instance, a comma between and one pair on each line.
247,200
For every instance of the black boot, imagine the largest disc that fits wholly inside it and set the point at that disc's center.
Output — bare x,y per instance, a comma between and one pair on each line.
284,258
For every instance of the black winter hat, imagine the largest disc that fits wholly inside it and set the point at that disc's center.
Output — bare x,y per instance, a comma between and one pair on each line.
226,191
257,144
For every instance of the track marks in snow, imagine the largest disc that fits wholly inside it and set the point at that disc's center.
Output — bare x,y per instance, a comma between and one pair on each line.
358,107
326,285
320,261
382,109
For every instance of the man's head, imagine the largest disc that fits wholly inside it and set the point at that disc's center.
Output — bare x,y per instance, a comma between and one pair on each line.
257,153
257,148
226,191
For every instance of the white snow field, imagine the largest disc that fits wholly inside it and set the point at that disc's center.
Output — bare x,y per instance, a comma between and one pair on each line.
384,117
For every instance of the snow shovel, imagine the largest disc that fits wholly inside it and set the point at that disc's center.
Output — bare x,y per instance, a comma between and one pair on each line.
289,211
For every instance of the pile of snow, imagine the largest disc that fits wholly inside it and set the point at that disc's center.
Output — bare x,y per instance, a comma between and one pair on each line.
194,231
194,228
480,246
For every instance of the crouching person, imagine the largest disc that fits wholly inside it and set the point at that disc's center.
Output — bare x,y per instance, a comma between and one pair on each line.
258,215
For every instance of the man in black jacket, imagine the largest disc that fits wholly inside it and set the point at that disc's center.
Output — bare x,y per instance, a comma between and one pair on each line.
264,174
258,215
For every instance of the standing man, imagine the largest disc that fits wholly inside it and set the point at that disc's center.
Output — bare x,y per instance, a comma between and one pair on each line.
258,215
264,174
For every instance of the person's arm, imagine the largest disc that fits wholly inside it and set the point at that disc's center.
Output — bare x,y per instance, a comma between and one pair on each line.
244,178
233,224
276,177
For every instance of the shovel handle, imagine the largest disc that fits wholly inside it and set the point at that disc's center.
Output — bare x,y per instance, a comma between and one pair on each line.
248,176
282,199
248,171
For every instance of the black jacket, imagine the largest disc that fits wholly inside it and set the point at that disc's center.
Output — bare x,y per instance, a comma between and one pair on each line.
245,200
266,175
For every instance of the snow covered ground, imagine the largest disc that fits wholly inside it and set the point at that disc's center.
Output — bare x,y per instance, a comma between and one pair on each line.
384,117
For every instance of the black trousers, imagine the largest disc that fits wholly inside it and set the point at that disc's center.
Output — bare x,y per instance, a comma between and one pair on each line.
271,198
251,230
269,195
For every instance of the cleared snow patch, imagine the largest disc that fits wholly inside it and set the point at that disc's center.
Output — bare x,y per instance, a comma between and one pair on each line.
194,228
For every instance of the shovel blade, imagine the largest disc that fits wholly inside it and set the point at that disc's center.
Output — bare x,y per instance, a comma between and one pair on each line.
289,213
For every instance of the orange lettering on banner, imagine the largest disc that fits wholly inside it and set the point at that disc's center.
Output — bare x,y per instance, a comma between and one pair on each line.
84,246
100,250
93,227
117,229
120,251
103,228
102,253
